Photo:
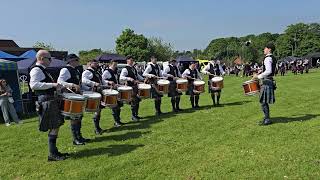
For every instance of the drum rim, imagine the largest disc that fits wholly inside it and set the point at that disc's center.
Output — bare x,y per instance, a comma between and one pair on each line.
78,97
182,81
163,82
144,86
124,88
220,79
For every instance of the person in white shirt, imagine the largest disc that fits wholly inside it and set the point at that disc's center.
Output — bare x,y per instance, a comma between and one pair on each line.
192,74
70,77
172,73
213,69
130,76
91,80
50,118
152,73
267,95
110,76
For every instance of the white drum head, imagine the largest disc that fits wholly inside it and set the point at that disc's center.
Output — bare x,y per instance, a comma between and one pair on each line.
217,79
144,86
124,88
110,92
163,82
73,96
91,94
181,81
197,83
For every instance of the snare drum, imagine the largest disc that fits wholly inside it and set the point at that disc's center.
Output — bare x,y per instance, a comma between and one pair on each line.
109,98
163,86
251,87
198,86
73,105
182,85
125,93
93,101
144,90
217,83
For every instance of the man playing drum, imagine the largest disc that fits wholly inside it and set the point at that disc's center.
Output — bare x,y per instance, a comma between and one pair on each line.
268,85
213,69
110,76
130,75
47,104
70,77
192,74
172,73
92,81
153,72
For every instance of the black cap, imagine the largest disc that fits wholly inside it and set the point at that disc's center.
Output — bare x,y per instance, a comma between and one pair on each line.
173,60
271,46
72,57
129,57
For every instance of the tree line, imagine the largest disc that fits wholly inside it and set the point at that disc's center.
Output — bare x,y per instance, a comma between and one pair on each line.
297,40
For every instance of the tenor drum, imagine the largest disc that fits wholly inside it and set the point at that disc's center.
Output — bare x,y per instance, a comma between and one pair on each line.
217,83
163,86
73,105
144,90
198,86
125,93
93,101
182,85
251,87
109,98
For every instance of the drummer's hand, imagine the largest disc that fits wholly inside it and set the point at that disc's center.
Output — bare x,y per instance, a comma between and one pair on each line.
76,87
131,79
111,83
96,84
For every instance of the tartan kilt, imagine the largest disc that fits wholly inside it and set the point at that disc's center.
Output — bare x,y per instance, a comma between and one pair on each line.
173,89
190,89
154,93
49,113
267,92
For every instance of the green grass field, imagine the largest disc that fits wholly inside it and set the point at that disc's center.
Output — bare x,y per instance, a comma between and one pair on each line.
210,143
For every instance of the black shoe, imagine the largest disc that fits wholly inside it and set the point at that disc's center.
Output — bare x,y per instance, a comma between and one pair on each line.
66,155
197,106
55,157
178,109
175,110
84,139
98,131
78,142
158,113
138,117
265,122
116,124
134,118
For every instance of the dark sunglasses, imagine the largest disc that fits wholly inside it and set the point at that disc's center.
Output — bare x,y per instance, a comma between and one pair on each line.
48,58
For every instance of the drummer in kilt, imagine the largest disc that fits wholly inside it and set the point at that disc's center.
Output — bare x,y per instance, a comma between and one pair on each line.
48,110
172,73
70,77
111,77
267,95
152,73
92,81
192,74
213,69
130,75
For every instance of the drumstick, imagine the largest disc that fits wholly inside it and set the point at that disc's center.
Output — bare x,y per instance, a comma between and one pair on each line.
70,90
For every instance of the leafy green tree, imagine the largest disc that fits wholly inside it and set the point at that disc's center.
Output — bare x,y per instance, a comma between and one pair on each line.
163,51
130,43
86,56
43,45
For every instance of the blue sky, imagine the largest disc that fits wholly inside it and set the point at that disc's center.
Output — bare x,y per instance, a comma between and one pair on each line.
75,25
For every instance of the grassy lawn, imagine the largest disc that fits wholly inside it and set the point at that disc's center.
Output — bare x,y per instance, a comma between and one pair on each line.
210,143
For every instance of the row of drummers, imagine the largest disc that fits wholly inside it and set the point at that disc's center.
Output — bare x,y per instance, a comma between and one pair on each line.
107,91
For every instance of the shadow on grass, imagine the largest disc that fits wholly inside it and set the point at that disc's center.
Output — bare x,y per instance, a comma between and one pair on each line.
302,118
238,103
147,121
120,137
112,150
